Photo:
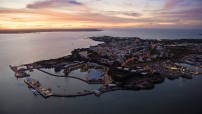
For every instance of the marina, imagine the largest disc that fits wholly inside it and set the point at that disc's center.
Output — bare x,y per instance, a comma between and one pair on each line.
39,89
44,92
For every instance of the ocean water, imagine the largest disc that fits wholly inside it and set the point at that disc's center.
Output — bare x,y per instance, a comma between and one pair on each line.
178,96
158,33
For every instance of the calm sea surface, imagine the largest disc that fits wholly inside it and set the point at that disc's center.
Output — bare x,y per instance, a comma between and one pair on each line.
176,97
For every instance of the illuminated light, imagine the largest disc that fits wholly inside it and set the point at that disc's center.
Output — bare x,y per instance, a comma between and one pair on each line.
173,68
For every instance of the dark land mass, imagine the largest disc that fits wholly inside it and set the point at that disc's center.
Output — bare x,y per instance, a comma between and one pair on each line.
46,30
132,63
183,41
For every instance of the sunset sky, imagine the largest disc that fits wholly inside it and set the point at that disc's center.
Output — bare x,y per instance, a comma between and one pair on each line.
34,14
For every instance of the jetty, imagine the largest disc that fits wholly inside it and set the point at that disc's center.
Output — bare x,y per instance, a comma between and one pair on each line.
37,86
74,95
19,73
32,83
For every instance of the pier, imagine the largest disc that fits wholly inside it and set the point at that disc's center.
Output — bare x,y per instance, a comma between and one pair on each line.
74,95
19,73
47,93
37,86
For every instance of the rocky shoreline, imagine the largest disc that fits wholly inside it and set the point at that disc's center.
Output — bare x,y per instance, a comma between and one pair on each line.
132,63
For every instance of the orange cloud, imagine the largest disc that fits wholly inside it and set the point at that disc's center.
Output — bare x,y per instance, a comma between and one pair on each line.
52,3
74,14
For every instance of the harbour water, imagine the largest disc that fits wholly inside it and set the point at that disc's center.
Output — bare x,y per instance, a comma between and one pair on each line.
178,96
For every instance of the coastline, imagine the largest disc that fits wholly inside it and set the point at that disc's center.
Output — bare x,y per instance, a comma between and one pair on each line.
22,31
141,76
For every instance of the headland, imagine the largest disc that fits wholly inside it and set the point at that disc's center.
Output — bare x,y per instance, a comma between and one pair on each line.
20,31
121,63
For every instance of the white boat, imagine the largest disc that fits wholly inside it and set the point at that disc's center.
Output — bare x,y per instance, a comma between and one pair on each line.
35,92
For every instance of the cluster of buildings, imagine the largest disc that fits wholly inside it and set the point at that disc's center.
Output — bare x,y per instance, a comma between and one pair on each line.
120,50
132,63
195,60
191,46
169,70
131,53
126,51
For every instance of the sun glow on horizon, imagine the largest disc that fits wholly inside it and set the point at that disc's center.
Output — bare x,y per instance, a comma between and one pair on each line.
38,14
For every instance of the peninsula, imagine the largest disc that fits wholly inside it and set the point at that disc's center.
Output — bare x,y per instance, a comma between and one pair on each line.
14,31
120,63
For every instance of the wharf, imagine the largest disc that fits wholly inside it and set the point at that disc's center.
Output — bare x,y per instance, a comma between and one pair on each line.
85,93
74,95
44,92
19,73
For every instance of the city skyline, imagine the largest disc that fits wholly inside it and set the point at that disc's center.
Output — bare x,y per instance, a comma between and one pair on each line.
40,14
